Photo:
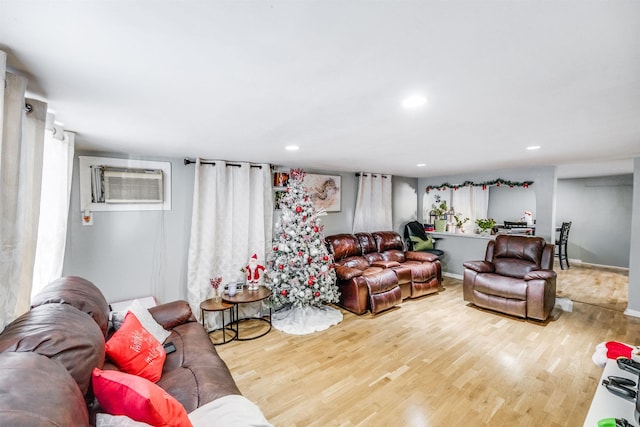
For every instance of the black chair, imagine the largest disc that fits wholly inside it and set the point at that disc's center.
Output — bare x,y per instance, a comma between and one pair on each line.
561,244
416,230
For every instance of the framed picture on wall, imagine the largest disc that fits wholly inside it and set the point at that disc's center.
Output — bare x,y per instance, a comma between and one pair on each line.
280,179
324,190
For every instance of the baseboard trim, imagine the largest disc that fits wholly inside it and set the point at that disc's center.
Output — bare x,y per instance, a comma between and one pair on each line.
608,267
632,313
453,275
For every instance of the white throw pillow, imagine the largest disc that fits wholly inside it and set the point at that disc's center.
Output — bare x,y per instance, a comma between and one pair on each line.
107,420
235,410
145,318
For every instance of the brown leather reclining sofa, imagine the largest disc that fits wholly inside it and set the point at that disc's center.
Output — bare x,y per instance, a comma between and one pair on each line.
47,356
375,272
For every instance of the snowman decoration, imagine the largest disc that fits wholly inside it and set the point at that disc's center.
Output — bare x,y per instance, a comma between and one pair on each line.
253,270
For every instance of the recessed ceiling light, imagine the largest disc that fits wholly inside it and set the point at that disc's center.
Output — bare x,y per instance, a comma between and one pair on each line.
414,101
533,147
421,165
292,148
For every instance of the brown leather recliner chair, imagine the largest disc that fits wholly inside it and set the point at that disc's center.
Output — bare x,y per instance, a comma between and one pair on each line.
516,277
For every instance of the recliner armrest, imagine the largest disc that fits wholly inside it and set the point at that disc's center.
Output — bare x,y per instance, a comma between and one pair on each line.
540,274
346,273
172,314
420,256
480,266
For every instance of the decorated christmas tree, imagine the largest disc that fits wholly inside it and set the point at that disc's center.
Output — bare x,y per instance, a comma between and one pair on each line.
300,266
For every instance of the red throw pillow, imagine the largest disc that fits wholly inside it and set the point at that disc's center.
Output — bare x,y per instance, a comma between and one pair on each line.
141,400
135,351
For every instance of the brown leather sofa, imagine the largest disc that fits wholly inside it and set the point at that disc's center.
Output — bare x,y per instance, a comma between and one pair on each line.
516,277
47,356
375,272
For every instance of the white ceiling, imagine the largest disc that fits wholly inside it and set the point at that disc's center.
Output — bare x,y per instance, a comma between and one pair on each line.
239,80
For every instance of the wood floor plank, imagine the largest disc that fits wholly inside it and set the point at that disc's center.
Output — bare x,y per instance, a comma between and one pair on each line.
436,361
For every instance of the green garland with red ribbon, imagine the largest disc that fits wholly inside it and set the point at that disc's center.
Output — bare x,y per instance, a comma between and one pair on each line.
497,182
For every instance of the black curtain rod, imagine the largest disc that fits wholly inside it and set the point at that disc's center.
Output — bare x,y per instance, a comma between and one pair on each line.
375,176
204,162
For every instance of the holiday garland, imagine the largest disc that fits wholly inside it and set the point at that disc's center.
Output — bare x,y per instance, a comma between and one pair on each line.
497,182
300,266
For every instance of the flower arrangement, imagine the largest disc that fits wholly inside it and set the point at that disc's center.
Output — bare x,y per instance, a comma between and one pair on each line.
215,283
459,221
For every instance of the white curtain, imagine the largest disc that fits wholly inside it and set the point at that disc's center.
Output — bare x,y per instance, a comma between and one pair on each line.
57,169
471,202
373,203
232,220
22,134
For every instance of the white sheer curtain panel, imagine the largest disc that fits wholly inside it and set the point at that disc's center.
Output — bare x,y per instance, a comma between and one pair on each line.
57,169
373,203
232,219
471,202
20,178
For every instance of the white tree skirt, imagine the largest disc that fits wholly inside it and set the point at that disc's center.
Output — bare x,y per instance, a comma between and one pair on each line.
305,320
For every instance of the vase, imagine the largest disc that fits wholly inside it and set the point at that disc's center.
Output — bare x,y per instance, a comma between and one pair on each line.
216,295
440,225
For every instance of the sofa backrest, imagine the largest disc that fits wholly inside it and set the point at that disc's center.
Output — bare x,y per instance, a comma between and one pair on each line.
62,333
515,256
39,391
343,246
390,245
81,294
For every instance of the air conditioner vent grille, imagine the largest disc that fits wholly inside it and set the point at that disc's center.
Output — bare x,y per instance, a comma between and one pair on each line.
142,186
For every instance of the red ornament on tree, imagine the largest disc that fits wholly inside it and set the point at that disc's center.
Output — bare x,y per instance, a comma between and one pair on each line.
325,258
283,292
317,294
298,209
275,249
315,228
280,267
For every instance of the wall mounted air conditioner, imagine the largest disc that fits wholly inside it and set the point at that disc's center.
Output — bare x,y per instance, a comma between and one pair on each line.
132,185
112,184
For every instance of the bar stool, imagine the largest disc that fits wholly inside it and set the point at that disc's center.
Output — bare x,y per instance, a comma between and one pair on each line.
561,244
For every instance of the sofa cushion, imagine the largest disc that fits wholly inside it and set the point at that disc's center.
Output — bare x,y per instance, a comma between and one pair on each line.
120,393
354,262
367,243
388,240
501,286
26,396
516,256
81,294
60,332
134,350
194,374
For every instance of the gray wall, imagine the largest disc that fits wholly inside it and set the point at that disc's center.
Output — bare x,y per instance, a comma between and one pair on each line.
634,251
544,187
405,202
136,253
600,211
509,204
140,253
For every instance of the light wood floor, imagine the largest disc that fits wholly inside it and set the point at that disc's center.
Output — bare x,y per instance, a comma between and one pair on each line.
434,361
